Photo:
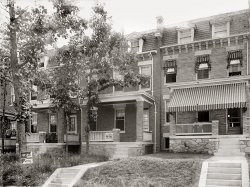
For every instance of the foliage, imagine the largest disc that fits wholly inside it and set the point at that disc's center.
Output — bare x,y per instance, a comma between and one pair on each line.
15,173
144,171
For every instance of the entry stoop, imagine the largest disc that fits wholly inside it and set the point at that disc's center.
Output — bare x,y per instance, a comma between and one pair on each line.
228,168
67,177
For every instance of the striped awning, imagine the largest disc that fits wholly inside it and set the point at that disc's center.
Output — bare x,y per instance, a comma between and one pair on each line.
208,98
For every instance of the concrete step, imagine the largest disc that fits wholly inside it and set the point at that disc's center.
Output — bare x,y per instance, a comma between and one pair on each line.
228,146
224,182
57,185
229,142
224,176
229,150
66,175
62,180
69,170
224,170
224,165
221,186
229,154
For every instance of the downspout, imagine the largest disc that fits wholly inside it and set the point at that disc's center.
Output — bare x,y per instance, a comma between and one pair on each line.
152,91
247,58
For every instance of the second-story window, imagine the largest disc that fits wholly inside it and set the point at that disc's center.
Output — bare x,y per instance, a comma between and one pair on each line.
234,62
170,70
146,70
34,92
118,77
202,66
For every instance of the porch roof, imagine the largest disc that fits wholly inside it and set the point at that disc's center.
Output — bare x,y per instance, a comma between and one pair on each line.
210,97
125,96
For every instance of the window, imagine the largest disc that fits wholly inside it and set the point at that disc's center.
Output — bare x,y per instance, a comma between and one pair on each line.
34,92
146,120
203,72
167,143
120,119
117,76
170,69
203,66
146,70
234,62
12,95
186,36
220,30
72,128
135,45
53,128
34,122
203,116
167,117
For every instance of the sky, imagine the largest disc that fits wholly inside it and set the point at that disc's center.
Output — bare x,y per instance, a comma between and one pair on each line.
140,15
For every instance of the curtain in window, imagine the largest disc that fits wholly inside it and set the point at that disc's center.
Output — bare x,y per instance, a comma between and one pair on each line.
202,59
169,65
234,55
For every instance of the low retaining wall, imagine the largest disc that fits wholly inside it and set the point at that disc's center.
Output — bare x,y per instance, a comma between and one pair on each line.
194,144
39,148
115,150
245,145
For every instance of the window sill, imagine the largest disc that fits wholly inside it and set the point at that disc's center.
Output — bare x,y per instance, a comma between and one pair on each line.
122,132
166,124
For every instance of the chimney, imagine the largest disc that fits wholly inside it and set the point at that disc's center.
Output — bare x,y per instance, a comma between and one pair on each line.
160,23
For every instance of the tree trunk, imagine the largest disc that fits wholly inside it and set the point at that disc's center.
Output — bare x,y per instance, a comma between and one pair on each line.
21,137
14,72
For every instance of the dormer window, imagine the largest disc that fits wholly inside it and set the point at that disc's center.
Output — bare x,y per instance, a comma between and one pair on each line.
185,35
220,30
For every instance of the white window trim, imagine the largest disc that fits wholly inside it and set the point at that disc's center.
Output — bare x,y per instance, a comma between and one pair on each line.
227,26
191,30
122,107
146,89
12,93
75,131
50,123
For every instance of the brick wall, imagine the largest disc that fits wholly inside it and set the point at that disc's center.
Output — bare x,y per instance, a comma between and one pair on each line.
221,116
186,117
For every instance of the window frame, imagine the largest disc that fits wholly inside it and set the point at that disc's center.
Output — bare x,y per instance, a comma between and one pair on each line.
231,69
116,109
225,24
202,69
75,131
53,114
150,81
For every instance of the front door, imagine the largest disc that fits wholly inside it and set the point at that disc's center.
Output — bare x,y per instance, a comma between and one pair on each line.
234,121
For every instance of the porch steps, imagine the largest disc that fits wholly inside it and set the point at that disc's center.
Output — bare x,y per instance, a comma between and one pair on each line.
228,168
67,177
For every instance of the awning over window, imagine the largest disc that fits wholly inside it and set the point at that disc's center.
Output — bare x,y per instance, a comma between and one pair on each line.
234,55
208,98
169,64
202,59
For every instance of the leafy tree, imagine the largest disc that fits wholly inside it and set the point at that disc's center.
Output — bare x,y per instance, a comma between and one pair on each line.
96,57
26,36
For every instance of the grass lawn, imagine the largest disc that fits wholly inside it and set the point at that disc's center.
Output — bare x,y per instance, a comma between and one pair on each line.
15,173
162,169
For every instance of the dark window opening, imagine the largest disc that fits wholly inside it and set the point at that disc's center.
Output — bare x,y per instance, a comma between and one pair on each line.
170,77
166,143
203,116
234,73
203,74
167,117
33,95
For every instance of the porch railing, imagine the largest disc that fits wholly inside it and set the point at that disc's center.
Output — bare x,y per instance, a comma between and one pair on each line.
101,136
204,128
147,136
